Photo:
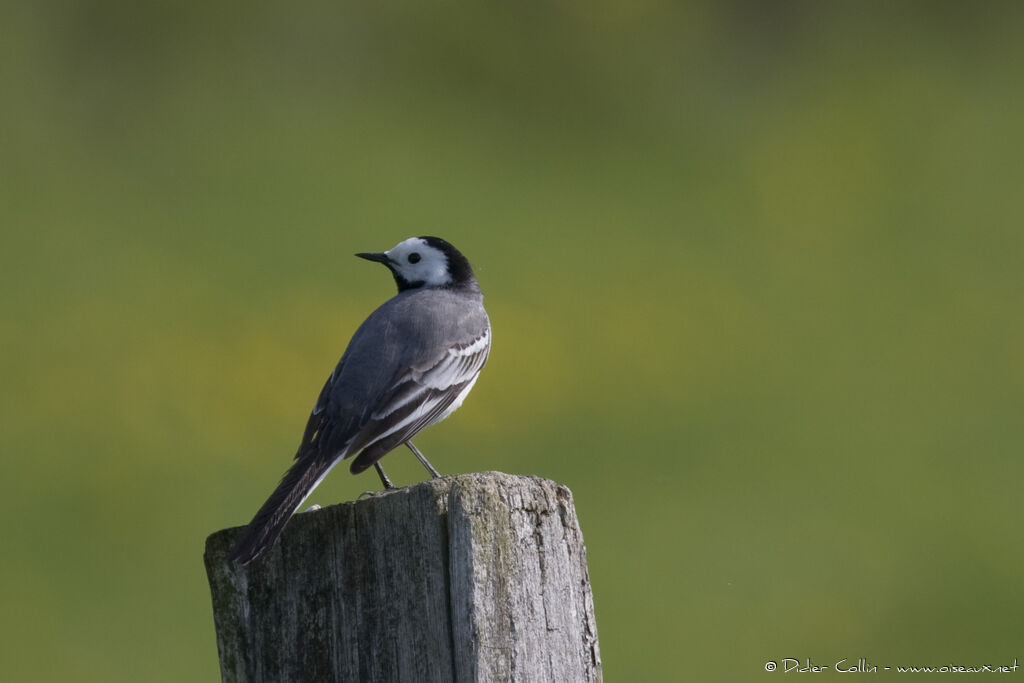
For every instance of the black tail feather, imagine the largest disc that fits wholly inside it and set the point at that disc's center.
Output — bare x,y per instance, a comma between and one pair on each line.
266,526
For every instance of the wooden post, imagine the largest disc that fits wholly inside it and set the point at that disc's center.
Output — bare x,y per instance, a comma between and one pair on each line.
471,578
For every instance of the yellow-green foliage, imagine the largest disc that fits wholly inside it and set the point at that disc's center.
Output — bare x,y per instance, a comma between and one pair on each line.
754,272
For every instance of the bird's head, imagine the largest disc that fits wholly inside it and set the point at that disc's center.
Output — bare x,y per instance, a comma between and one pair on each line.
425,262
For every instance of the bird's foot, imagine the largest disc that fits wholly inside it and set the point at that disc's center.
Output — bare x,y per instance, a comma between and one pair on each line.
383,477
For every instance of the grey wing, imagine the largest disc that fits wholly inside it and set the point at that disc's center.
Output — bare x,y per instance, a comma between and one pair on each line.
326,433
419,397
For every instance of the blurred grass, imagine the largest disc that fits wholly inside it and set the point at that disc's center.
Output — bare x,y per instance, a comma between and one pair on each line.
754,274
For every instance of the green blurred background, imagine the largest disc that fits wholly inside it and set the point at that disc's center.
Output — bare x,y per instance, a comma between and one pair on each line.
753,271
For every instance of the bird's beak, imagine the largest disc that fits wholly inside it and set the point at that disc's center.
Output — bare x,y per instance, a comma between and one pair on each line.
379,258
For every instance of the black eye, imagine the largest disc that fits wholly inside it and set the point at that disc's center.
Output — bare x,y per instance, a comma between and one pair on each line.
414,257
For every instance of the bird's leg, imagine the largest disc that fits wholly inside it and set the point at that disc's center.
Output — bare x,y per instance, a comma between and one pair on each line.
433,473
383,477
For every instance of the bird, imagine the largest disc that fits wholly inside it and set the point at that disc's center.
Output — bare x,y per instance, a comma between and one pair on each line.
409,365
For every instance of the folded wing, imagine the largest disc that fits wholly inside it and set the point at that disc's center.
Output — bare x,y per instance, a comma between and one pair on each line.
419,397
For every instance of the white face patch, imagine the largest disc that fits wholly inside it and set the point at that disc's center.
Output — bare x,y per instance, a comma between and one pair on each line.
417,261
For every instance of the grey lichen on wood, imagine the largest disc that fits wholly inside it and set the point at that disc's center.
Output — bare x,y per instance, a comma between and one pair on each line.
476,577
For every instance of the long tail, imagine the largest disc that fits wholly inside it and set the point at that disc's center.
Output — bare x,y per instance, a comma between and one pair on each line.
262,532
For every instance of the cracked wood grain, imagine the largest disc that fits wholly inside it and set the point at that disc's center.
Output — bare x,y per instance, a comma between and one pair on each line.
471,578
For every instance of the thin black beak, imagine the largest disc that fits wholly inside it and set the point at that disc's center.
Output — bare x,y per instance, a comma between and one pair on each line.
379,258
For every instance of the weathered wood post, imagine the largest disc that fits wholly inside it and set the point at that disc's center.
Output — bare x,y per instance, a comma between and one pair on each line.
476,577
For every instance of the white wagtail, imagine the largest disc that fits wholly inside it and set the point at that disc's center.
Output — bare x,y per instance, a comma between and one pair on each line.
409,365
